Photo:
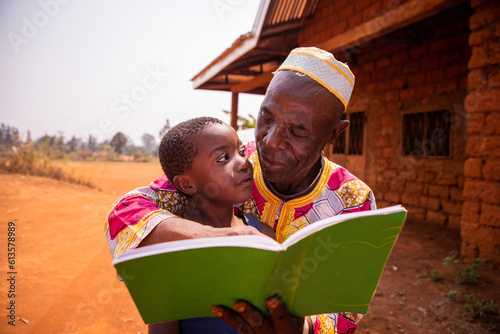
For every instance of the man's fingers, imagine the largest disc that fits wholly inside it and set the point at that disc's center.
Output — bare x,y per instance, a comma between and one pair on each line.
232,318
277,308
252,316
282,321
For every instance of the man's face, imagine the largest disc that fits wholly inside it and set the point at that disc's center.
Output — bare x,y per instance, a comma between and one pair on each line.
220,170
295,121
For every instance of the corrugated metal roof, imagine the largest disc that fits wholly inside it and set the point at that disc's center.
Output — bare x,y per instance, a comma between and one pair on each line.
285,11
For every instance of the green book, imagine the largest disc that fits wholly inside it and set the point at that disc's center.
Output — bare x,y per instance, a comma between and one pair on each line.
330,266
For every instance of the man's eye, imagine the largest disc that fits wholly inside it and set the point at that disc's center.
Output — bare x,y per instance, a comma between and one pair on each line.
265,116
223,157
297,132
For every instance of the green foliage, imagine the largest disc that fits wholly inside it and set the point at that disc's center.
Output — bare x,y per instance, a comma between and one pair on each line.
481,308
436,275
244,123
466,273
452,295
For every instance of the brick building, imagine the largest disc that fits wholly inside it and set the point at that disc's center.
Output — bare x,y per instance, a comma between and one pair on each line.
425,111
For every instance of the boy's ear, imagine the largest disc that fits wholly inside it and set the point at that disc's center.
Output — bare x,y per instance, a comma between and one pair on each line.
184,184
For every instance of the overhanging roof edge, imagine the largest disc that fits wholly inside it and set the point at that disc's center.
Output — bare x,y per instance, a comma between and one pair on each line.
234,52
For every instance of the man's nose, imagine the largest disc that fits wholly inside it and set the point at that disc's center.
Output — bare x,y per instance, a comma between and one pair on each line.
275,138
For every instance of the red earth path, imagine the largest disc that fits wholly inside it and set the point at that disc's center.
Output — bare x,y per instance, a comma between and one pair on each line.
64,281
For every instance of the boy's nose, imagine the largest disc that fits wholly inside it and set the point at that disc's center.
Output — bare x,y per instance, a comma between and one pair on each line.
242,163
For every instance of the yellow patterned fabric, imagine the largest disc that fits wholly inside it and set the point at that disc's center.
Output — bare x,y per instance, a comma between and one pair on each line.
335,192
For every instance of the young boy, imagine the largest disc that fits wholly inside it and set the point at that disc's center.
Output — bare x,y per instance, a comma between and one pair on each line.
205,159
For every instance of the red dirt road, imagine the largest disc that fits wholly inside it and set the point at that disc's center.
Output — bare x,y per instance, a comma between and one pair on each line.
64,281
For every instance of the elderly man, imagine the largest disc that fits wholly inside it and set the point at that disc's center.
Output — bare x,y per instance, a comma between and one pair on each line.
294,184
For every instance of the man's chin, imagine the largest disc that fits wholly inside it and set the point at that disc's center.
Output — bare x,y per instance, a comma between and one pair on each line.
276,178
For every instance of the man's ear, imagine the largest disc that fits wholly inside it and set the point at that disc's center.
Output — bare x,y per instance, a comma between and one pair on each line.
338,129
184,184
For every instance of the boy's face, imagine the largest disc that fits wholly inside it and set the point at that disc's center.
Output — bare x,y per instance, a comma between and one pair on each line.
220,170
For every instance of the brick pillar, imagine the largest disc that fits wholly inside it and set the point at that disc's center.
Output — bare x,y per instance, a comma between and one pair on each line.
480,225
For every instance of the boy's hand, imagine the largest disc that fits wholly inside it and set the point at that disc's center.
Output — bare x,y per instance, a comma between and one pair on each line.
249,320
175,228
238,230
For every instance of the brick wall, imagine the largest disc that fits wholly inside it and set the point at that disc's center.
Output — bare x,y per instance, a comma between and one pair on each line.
334,17
481,210
416,69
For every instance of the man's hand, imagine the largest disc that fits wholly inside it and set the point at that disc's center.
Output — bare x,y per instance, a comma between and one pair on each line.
249,320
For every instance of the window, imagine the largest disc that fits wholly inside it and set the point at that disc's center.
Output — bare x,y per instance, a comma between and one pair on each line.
356,133
351,140
427,134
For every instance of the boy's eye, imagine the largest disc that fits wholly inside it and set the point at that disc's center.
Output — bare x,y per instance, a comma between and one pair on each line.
223,157
242,151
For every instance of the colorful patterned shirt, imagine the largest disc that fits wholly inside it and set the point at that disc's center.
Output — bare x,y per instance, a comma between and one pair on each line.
335,191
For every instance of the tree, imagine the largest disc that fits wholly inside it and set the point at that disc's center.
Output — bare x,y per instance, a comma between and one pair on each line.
60,142
28,139
72,144
244,123
148,142
46,140
92,144
165,128
118,142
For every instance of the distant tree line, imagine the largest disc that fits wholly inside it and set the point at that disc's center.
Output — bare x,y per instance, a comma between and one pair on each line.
58,147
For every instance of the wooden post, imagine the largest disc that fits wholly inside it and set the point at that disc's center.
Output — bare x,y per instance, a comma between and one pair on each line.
234,110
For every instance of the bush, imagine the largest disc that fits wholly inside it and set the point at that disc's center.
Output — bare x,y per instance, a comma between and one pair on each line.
481,308
466,274
29,161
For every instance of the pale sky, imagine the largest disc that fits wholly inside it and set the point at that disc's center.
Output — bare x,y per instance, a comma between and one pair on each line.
98,67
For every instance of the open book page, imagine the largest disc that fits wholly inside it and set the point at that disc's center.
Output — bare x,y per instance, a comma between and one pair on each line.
336,266
319,225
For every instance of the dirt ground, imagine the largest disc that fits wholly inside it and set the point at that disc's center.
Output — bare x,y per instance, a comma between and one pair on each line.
64,281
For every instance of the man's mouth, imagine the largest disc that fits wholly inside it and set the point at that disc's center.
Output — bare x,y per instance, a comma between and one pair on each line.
271,164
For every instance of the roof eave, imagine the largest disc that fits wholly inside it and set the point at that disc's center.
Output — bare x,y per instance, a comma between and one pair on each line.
243,45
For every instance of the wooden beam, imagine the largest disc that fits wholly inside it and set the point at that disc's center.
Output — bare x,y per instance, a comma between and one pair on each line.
262,80
393,19
234,111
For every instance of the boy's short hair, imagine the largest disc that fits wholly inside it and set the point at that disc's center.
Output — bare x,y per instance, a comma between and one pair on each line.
177,148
